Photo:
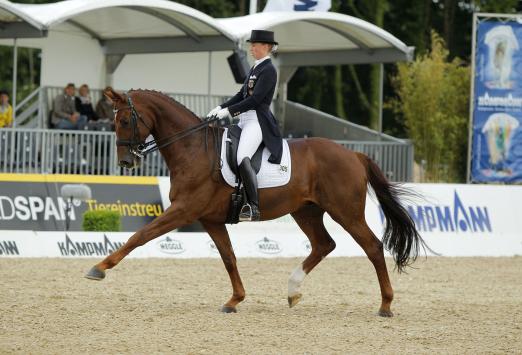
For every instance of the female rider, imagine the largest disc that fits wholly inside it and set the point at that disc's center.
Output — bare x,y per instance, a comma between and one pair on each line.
252,104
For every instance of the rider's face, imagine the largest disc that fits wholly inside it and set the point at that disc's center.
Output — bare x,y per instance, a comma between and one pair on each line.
259,50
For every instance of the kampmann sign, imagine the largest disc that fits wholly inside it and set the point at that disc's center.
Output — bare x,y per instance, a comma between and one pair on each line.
456,217
32,202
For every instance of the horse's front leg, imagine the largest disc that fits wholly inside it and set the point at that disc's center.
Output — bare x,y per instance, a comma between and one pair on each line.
177,215
219,234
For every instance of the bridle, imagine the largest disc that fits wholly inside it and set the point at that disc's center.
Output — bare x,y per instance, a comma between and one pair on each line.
141,148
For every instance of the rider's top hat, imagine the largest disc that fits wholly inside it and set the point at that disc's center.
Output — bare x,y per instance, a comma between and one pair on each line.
262,36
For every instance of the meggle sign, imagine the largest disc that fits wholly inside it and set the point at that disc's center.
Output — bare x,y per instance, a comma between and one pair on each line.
457,217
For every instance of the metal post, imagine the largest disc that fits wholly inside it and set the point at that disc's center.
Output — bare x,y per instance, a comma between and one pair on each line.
253,7
209,82
471,97
381,96
15,74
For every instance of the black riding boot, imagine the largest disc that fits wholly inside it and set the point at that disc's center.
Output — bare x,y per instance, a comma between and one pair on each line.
250,210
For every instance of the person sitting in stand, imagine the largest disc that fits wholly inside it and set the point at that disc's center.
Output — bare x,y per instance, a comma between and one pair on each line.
6,111
258,124
104,109
83,104
65,115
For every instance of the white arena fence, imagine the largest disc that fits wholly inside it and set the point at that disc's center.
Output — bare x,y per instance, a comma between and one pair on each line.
455,220
43,151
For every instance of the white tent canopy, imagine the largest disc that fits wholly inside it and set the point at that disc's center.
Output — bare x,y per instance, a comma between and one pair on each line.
15,23
175,48
322,38
122,26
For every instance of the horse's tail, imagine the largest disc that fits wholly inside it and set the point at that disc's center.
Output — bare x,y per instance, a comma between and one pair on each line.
401,238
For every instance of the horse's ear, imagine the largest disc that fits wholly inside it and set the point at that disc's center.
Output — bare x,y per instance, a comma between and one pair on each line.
113,95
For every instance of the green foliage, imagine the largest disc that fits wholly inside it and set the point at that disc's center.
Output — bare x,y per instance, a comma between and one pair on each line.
101,221
434,100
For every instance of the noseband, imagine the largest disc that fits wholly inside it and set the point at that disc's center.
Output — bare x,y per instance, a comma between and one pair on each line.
141,148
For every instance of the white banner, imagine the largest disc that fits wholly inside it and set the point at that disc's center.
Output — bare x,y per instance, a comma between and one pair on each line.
298,5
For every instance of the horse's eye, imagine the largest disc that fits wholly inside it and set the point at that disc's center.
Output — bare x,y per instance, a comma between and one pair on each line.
124,122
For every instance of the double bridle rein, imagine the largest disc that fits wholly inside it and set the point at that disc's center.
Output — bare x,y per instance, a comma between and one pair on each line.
141,148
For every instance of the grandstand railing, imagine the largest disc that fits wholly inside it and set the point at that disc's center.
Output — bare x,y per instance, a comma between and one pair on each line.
34,110
46,151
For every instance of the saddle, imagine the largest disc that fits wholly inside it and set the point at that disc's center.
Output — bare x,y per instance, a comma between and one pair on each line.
234,133
238,196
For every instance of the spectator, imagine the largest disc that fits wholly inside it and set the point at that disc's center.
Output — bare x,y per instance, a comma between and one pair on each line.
6,111
84,105
104,108
65,115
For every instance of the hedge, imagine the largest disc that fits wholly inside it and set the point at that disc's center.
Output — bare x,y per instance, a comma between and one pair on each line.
101,221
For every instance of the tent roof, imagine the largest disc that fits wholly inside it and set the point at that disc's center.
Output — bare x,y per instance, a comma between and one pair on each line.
161,26
122,25
342,38
16,23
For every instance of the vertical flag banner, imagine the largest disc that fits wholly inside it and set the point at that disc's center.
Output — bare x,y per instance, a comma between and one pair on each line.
496,154
298,5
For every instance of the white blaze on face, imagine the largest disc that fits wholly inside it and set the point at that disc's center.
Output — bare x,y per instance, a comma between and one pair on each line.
295,281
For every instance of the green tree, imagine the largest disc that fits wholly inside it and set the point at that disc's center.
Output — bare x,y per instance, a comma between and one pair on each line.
434,100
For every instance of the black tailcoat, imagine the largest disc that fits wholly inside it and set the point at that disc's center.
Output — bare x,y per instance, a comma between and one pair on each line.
256,94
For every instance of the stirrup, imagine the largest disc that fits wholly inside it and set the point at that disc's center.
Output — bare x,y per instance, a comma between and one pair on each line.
247,214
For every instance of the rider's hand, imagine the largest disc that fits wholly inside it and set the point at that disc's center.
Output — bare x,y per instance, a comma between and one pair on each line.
222,113
214,111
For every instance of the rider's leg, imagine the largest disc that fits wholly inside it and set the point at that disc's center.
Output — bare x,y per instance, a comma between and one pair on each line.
251,138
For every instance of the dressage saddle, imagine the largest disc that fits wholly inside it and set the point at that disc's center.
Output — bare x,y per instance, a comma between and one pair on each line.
232,143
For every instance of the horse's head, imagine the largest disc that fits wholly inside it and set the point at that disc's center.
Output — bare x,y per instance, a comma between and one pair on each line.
132,128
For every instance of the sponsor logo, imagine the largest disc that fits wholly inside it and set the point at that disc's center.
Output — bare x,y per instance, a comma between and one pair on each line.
212,247
307,246
35,208
170,246
455,218
504,101
8,247
268,246
104,248
135,209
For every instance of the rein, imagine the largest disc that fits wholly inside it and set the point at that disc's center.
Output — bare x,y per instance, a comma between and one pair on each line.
141,149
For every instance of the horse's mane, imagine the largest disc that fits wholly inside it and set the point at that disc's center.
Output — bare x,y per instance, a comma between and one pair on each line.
169,99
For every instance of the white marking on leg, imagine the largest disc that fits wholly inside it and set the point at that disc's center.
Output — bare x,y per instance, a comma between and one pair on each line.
295,281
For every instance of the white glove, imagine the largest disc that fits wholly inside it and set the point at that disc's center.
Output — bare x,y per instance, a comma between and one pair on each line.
214,111
223,113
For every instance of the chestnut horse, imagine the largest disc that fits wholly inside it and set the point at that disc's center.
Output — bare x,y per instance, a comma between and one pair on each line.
326,177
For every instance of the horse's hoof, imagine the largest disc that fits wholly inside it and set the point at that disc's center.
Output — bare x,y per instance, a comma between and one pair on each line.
292,301
387,314
95,274
228,309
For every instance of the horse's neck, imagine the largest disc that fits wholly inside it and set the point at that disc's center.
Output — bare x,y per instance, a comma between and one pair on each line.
172,119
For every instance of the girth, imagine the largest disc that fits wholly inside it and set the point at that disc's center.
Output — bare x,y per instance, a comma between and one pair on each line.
232,143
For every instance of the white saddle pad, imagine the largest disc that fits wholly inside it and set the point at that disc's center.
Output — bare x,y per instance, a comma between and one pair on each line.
270,175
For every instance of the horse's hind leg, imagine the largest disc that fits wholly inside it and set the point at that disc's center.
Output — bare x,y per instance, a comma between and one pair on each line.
310,220
372,246
219,234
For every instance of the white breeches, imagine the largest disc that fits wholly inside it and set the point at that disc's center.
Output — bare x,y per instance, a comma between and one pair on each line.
251,136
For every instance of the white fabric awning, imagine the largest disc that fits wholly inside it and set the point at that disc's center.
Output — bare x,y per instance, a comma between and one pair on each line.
130,26
159,26
15,23
333,38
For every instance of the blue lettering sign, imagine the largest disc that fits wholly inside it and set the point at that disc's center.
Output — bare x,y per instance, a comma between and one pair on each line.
458,217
